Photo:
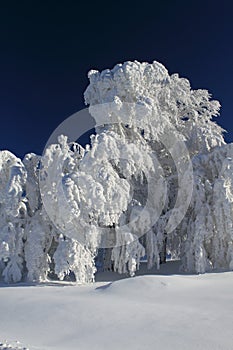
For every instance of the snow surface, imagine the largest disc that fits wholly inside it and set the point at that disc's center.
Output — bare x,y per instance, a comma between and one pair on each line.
163,311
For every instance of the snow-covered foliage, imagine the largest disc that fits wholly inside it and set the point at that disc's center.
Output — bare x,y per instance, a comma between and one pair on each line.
71,256
157,177
127,252
208,227
166,100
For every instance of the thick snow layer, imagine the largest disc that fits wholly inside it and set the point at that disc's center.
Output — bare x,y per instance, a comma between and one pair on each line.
145,312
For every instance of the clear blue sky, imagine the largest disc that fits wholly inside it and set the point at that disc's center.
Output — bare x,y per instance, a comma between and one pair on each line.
48,47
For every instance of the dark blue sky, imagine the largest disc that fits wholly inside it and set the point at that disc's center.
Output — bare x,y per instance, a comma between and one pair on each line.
48,47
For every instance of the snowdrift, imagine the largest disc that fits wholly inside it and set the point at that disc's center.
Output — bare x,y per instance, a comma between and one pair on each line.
145,312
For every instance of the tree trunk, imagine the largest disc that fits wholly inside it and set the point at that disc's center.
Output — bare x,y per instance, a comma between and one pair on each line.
163,254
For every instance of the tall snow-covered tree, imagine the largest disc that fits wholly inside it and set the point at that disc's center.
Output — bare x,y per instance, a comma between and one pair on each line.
144,105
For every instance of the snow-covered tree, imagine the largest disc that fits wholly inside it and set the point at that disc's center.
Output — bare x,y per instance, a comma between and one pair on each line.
90,194
208,228
146,106
59,194
157,176
12,214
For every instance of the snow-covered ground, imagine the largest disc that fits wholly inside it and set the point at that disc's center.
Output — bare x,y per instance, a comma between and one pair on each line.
162,311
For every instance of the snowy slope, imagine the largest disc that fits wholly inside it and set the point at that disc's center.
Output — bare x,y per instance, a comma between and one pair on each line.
145,312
